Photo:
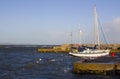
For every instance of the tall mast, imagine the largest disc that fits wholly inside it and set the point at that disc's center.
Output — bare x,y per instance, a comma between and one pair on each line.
96,32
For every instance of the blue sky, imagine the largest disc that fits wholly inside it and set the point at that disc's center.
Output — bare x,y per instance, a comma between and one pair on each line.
51,21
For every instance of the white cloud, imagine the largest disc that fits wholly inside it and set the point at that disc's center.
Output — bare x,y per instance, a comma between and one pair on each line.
116,21
53,36
112,29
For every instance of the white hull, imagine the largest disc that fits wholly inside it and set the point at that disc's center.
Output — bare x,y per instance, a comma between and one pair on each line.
91,53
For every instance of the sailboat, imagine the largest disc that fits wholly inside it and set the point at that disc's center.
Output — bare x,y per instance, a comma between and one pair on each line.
86,52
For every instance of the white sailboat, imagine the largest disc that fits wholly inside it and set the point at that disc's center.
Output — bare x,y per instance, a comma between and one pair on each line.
92,53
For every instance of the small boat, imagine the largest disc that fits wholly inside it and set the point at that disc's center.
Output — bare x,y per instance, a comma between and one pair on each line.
86,52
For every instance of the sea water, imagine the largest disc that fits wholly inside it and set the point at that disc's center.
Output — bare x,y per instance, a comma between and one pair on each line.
27,63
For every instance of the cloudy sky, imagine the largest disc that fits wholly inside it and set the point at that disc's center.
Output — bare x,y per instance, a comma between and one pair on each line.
52,21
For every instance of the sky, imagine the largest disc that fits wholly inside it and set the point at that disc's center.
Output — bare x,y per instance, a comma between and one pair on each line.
46,22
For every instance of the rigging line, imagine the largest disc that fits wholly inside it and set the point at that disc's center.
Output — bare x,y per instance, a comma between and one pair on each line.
104,37
102,31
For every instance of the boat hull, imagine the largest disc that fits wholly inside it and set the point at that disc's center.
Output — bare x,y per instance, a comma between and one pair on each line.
95,53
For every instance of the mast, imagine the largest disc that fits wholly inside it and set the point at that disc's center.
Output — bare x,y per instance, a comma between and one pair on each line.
96,32
80,36
71,42
71,37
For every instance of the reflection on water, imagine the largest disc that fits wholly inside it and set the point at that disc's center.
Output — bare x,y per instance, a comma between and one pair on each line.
29,64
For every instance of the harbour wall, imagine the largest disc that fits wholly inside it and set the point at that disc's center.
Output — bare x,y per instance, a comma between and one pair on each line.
97,68
106,65
67,47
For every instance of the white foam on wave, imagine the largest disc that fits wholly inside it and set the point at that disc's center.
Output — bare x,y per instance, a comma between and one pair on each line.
40,59
67,69
37,61
52,60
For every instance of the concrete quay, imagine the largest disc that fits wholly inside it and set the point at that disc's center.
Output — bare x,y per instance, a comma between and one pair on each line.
104,65
56,49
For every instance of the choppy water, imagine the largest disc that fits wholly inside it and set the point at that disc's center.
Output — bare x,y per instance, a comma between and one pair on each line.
29,64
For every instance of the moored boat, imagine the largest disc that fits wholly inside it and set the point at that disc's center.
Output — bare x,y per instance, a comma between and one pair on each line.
92,52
